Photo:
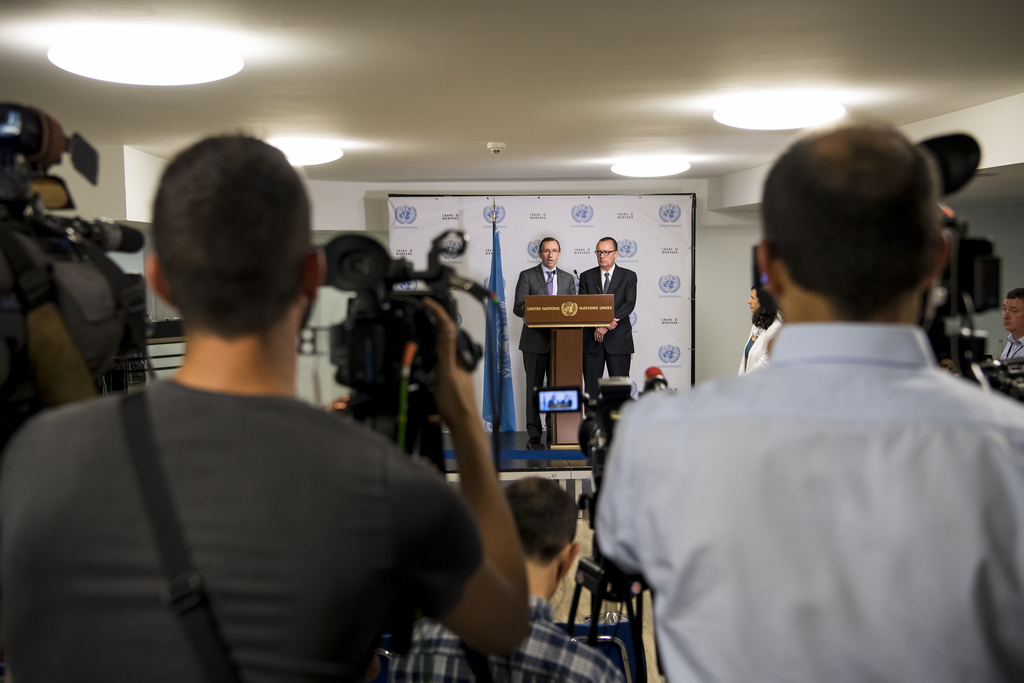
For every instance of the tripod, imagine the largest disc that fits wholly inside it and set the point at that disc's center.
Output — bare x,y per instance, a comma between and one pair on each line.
605,581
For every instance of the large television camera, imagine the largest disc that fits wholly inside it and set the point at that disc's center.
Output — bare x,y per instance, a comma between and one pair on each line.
385,348
66,310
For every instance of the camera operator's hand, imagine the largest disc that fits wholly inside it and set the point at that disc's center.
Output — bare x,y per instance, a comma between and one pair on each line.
493,613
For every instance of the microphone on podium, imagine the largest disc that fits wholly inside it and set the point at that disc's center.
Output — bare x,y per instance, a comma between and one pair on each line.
655,380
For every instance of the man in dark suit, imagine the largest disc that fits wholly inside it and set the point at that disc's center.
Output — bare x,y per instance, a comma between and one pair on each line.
612,345
536,343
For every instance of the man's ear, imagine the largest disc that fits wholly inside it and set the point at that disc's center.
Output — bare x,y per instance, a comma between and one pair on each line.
566,558
773,268
157,279
314,272
941,259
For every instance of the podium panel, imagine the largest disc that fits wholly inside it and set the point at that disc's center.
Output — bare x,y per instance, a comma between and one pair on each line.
567,316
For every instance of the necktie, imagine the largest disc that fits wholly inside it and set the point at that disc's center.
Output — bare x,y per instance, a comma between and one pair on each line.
607,276
551,282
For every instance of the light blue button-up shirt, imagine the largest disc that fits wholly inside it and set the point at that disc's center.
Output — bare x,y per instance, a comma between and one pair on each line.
1014,347
851,513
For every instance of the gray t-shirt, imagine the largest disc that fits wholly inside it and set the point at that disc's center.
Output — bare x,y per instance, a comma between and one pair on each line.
304,525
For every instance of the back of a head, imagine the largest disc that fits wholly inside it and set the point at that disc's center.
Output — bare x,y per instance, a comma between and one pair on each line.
545,517
231,228
852,214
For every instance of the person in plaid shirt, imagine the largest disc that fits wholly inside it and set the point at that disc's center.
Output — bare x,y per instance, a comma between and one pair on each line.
546,519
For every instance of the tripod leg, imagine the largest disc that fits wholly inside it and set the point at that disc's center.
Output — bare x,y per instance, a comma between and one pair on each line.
636,629
596,599
573,607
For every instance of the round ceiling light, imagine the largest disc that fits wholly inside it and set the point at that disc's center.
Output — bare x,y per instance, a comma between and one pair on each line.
779,111
148,56
308,151
651,167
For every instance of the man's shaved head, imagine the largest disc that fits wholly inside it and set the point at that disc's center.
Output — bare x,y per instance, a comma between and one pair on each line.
852,214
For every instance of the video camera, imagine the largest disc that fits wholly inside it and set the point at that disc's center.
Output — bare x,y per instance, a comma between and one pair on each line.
385,348
66,310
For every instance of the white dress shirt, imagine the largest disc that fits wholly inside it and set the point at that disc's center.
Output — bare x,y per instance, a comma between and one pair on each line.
851,513
1014,347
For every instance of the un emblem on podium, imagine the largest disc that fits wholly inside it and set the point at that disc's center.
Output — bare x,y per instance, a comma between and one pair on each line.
582,213
669,283
670,213
669,354
405,214
569,309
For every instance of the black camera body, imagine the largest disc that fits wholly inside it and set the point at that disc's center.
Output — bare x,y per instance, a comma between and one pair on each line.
385,348
66,310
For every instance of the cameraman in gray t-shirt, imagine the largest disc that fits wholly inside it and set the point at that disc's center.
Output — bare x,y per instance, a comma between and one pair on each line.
307,529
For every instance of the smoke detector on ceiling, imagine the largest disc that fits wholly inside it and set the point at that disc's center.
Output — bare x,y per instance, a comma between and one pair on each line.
496,147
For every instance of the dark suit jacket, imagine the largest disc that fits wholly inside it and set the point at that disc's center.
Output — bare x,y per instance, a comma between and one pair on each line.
623,286
532,281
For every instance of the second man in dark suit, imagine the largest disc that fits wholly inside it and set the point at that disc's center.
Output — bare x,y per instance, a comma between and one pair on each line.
536,343
612,345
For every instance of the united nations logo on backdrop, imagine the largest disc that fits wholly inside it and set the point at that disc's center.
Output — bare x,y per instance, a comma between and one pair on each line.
487,283
533,249
582,213
670,213
405,286
494,214
450,249
458,319
632,389
627,248
669,354
405,214
669,283
632,319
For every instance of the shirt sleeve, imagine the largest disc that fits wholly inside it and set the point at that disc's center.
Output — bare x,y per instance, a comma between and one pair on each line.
437,546
616,520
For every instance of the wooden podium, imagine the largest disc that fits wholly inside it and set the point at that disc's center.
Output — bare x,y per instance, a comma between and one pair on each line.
567,316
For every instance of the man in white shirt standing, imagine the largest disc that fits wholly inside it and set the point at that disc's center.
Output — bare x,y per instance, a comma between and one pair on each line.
1013,321
852,512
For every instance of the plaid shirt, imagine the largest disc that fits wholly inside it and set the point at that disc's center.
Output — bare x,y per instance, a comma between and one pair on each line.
547,654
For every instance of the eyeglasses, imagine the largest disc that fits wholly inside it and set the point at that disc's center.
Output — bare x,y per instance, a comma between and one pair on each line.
550,251
605,253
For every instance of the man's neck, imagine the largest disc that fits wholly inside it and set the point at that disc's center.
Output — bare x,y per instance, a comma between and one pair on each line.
608,269
542,580
803,306
257,364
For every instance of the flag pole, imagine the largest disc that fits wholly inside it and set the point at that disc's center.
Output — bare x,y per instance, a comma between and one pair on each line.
496,386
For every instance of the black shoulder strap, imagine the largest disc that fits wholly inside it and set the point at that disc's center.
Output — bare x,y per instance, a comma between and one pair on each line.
184,593
31,282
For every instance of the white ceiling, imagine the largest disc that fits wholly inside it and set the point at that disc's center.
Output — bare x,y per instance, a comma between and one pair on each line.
418,88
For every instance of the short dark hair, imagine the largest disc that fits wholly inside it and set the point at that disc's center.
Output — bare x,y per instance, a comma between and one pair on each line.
767,309
231,229
545,516
549,239
1017,293
608,239
852,214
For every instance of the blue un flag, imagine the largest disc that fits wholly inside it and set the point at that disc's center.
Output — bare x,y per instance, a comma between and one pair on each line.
498,362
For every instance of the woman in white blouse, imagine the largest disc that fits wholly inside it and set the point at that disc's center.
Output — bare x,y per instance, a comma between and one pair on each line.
767,320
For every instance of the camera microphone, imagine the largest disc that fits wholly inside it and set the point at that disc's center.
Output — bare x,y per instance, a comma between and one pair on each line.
655,380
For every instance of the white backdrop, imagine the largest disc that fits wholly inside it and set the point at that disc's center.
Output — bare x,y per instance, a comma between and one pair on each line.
655,236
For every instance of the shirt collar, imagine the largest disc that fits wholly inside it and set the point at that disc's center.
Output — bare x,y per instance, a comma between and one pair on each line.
611,271
545,271
852,343
1013,340
541,610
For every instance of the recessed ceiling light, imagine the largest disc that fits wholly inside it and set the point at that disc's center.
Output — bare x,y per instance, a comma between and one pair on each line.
307,151
650,167
147,55
779,111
